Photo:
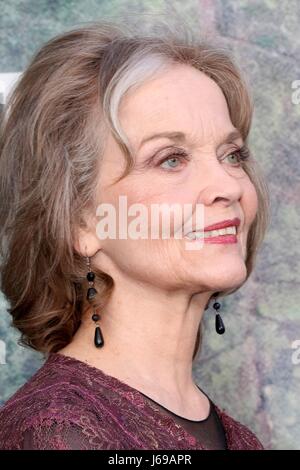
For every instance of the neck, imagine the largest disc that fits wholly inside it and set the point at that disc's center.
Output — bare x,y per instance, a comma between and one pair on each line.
149,337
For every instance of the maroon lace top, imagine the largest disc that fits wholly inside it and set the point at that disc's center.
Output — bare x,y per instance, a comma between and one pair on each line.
68,404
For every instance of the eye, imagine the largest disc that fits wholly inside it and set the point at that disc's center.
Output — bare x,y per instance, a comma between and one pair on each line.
233,157
238,156
173,160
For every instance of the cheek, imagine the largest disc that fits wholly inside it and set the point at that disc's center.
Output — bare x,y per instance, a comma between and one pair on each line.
130,253
249,203
149,194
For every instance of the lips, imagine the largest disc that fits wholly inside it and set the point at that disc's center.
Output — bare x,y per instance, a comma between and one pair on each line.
219,225
223,224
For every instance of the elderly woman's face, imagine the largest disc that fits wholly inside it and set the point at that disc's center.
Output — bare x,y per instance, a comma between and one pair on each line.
203,169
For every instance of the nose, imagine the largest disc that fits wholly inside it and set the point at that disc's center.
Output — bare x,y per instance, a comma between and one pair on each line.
218,185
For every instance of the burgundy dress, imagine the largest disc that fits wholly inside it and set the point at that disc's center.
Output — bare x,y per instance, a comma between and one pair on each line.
68,404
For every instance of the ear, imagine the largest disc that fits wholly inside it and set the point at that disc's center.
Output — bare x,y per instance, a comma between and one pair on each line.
86,241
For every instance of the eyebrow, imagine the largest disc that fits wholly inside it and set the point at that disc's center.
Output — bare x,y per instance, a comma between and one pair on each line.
180,137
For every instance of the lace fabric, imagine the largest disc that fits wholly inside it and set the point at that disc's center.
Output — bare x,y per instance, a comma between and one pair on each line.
209,431
70,405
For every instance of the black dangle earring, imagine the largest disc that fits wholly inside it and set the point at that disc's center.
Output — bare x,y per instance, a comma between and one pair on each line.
91,293
220,328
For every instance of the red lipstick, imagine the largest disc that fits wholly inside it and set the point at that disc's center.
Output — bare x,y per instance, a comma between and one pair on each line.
225,223
226,238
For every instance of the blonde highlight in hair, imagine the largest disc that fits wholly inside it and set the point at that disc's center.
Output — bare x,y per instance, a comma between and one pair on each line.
52,141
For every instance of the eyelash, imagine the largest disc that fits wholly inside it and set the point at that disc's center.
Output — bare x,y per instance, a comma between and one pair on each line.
243,154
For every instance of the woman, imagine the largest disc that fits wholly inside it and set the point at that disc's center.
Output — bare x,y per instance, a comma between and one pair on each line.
118,317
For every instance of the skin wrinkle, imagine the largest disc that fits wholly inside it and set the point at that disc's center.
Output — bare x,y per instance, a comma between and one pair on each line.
178,136
150,323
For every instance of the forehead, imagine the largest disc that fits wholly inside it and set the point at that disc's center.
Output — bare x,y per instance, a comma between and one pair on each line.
181,98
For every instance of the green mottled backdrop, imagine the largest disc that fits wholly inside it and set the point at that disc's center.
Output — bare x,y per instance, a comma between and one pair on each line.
250,370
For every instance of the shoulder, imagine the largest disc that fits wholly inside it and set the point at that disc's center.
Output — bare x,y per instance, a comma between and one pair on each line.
55,409
239,436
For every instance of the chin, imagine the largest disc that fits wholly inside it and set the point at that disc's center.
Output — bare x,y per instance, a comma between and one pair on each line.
223,277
